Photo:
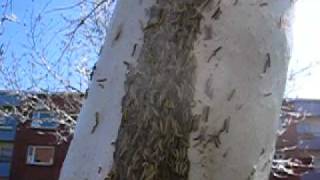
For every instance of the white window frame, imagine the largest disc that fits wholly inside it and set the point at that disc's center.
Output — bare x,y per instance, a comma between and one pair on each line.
31,155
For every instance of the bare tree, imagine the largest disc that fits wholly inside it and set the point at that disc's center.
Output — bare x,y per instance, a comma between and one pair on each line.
52,57
60,45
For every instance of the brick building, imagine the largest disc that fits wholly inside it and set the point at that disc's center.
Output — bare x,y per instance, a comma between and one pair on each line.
35,132
42,141
297,154
8,122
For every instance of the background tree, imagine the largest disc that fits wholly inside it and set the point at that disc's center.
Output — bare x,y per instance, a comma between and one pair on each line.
51,41
50,47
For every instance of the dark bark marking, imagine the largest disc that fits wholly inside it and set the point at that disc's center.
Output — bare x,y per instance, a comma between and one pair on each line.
86,93
102,80
97,119
267,94
225,154
267,63
127,64
205,4
215,139
280,22
100,50
262,152
207,32
201,137
206,113
216,15
208,89
265,165
263,4
92,71
101,86
118,34
134,49
253,171
235,2
214,53
226,125
231,95
200,140
239,107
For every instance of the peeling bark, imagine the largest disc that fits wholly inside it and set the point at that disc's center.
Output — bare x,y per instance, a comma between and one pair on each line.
158,116
157,120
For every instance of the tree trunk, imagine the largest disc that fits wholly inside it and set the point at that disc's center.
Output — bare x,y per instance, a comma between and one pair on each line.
185,90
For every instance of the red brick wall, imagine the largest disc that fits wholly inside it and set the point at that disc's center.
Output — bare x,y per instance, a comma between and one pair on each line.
290,139
20,170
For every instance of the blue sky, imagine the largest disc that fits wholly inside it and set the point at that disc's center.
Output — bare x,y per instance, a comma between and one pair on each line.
306,47
49,32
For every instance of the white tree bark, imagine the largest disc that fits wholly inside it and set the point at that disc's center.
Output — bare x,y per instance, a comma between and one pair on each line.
244,97
240,56
90,155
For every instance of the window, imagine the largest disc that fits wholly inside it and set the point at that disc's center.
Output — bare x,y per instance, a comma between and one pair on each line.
313,144
40,155
279,156
6,150
316,164
44,120
4,125
309,128
42,115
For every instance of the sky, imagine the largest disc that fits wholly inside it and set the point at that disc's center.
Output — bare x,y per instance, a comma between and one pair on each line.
31,68
305,62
